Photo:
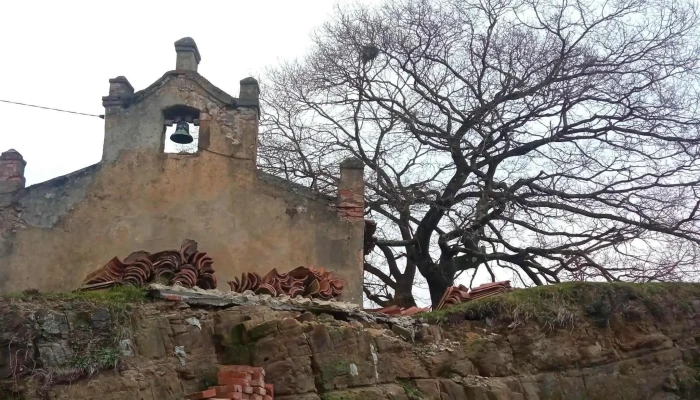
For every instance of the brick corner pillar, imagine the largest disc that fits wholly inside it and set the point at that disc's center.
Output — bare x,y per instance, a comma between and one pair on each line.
350,207
351,191
11,171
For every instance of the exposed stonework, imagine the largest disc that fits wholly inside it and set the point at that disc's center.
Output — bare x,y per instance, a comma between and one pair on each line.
11,171
645,351
188,57
139,198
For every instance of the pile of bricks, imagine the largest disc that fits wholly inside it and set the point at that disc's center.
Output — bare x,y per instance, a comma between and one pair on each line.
237,382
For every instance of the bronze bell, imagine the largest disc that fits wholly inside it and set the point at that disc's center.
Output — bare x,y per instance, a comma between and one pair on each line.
182,134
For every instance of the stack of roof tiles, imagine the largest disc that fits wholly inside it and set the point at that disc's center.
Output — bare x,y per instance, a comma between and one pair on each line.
237,382
460,294
400,311
452,296
301,281
489,289
186,267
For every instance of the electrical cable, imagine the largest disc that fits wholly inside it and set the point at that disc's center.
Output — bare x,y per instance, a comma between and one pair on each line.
52,109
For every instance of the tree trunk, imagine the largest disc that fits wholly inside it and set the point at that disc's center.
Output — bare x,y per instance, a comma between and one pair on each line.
438,283
403,294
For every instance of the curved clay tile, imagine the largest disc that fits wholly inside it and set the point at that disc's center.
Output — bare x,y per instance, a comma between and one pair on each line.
313,288
396,310
186,266
295,291
301,281
135,256
266,289
112,271
278,287
460,294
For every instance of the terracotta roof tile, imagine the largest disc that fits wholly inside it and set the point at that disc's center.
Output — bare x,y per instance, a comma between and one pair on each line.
187,267
302,281
452,296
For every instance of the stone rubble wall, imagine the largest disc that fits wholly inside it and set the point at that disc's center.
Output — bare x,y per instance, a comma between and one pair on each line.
170,349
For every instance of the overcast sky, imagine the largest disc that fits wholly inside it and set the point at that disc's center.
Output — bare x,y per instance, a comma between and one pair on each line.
62,54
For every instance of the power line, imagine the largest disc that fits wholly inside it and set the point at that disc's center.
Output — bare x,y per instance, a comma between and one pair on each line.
52,109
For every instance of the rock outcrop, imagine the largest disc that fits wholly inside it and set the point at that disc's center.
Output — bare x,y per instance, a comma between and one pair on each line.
576,342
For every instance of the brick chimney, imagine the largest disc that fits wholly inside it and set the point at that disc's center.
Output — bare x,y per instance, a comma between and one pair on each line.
188,57
351,191
11,171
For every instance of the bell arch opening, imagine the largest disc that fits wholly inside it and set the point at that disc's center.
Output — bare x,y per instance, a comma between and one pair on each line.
181,130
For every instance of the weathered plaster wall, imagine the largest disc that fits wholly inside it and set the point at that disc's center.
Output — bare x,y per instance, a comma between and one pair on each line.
55,233
137,121
138,198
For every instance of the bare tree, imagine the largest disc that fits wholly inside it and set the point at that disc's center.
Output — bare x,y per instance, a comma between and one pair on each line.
556,139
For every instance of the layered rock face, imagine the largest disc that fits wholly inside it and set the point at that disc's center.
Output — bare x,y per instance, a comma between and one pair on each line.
620,348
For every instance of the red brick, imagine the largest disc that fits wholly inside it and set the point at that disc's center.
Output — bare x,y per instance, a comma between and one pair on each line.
228,389
234,381
256,397
259,390
233,375
247,389
236,368
270,389
231,395
267,397
257,382
205,394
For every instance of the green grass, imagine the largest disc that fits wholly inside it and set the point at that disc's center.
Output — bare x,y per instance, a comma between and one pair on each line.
94,348
564,304
412,392
118,300
117,294
98,359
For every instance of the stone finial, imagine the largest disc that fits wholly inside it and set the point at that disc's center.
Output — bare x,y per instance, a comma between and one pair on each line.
249,88
11,154
119,91
120,86
351,190
188,57
11,171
